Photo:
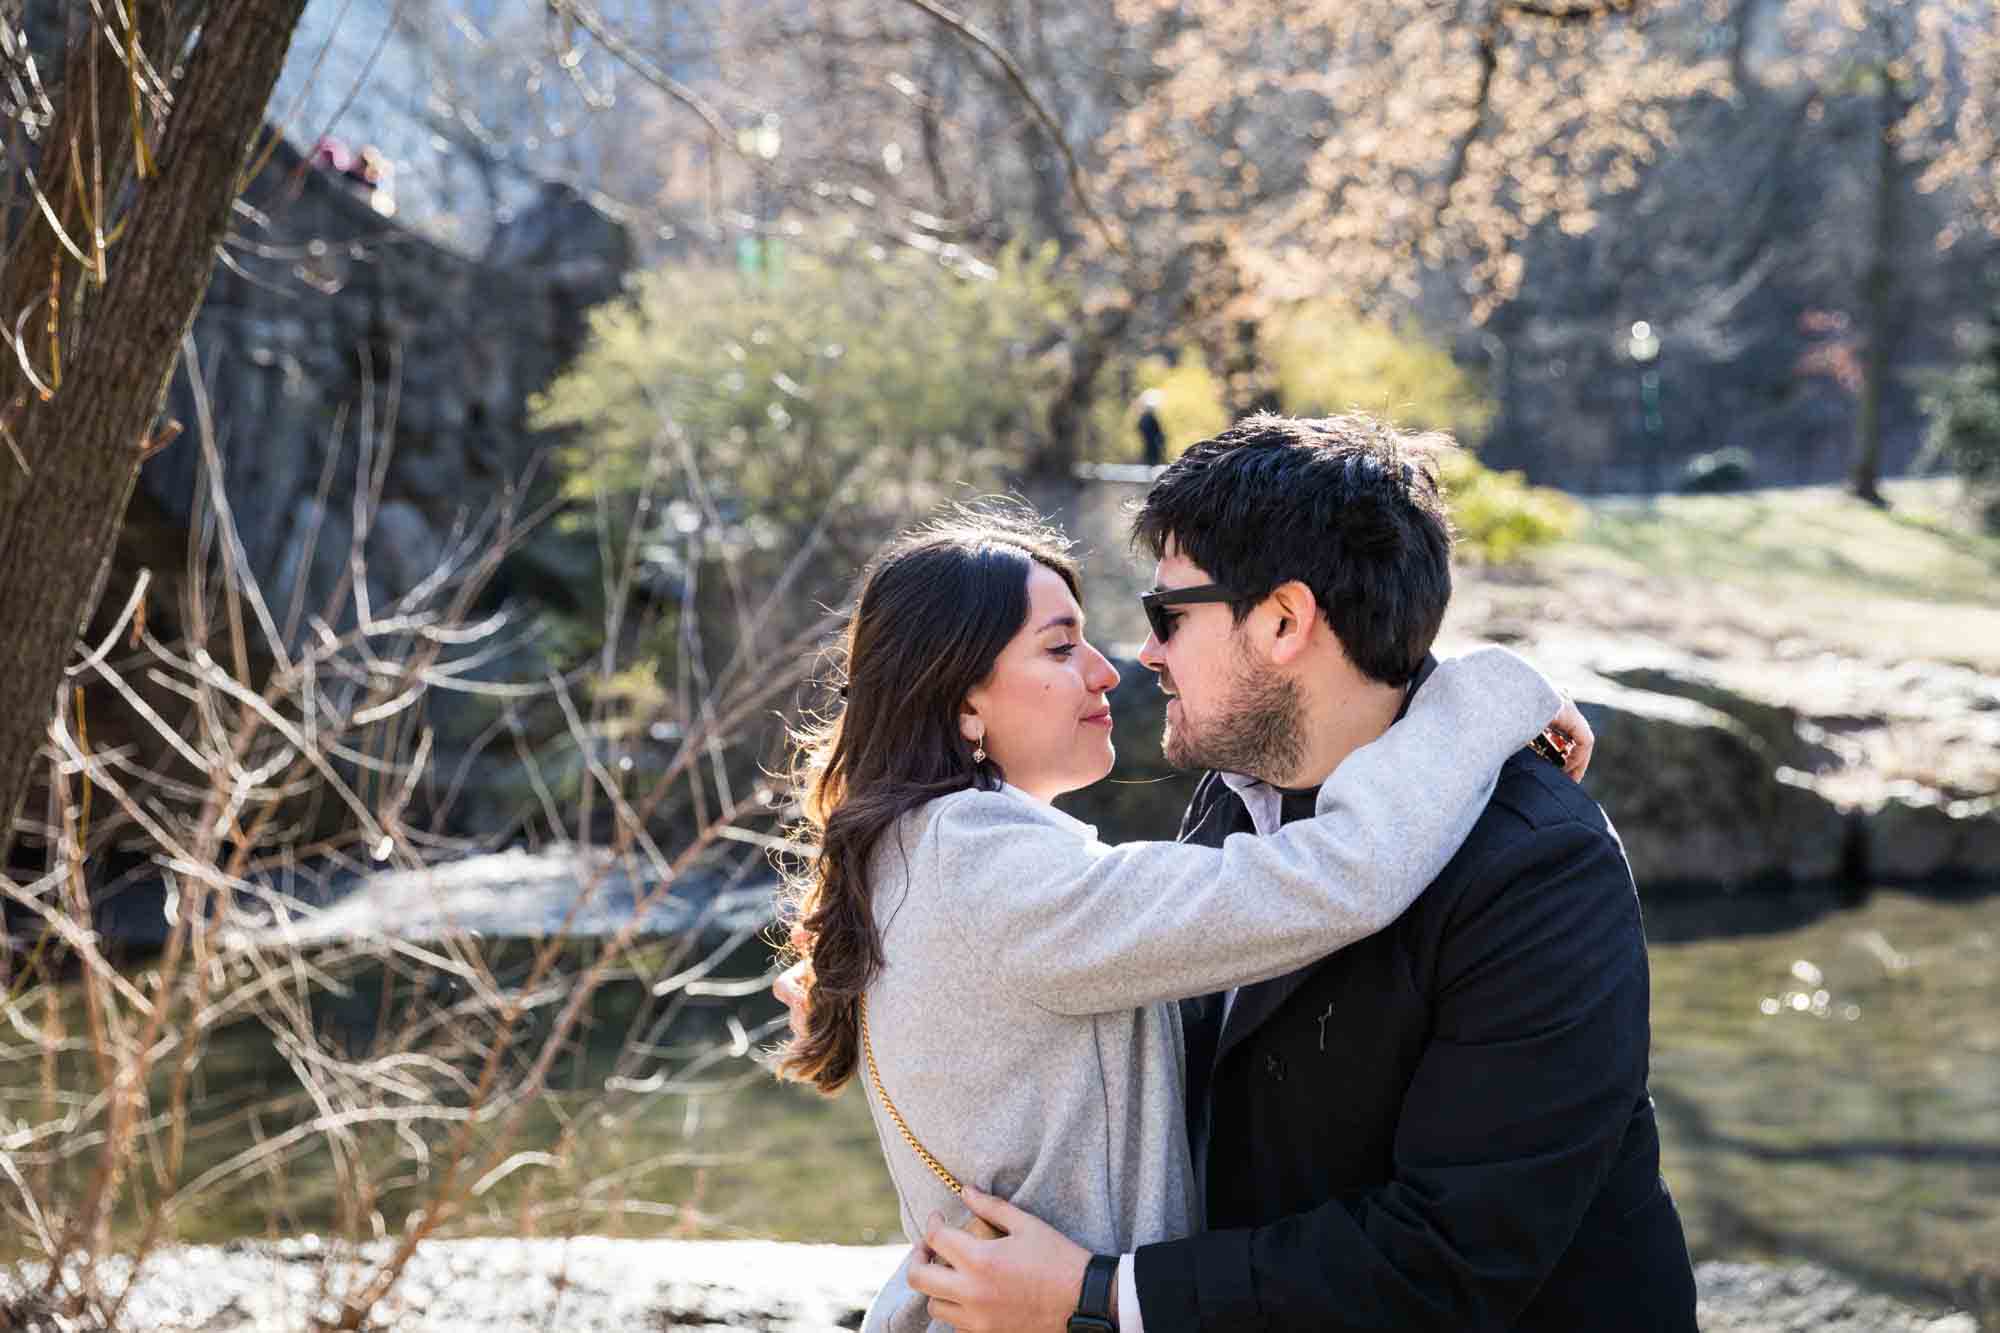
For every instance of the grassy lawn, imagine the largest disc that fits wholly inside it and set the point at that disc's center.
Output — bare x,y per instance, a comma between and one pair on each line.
1811,565
1810,539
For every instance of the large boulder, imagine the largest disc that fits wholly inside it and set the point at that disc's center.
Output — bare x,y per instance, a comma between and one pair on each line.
347,350
1699,798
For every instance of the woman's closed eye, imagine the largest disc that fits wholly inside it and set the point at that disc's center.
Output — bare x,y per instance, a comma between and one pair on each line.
1063,649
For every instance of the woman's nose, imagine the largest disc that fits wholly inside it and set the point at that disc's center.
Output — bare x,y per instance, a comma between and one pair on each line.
1105,678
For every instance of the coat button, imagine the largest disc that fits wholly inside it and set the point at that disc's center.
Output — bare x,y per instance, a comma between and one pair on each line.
1274,1067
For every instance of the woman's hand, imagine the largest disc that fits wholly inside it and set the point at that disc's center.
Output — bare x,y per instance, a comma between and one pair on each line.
1573,739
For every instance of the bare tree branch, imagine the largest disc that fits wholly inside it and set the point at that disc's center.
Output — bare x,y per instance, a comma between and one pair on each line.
973,35
624,52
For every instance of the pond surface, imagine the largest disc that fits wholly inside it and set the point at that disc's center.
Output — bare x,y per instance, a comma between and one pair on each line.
1828,1081
1829,1087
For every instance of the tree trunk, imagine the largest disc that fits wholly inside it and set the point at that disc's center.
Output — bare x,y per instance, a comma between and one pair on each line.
73,452
1743,23
1878,292
1058,454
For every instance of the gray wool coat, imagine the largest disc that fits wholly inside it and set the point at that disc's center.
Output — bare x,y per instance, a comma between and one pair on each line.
1025,1023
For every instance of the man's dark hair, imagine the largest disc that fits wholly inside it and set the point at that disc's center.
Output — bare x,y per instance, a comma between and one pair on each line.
1347,505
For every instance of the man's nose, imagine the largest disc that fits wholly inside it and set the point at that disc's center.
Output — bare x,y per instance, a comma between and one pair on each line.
1152,654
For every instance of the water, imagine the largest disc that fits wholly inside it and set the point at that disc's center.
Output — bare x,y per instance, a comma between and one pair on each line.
1828,1080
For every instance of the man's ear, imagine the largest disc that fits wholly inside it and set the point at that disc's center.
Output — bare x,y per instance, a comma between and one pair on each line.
1293,609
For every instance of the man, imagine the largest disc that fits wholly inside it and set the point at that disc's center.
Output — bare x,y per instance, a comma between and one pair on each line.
1445,1126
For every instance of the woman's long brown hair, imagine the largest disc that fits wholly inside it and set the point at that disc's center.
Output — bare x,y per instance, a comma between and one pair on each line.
936,608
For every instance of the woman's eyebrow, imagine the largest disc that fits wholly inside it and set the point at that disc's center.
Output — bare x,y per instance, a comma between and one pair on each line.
1064,621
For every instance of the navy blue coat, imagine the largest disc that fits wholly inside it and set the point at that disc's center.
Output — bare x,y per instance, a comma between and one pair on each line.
1445,1126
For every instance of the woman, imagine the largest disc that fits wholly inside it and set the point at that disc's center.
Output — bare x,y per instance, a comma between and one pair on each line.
1003,982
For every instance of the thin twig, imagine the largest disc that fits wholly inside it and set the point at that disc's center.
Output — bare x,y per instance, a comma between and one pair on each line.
975,36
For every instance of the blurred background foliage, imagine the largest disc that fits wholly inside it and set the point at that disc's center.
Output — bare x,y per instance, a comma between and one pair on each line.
1326,358
846,389
1499,516
1964,407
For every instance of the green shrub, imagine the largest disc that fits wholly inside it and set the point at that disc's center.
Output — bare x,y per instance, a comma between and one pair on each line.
1964,408
1326,359
1499,516
861,387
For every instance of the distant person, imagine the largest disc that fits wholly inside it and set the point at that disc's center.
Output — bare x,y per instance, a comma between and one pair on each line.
1152,438
330,154
367,171
1002,981
375,174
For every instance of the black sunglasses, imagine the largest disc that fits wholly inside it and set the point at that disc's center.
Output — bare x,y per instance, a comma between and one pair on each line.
1156,604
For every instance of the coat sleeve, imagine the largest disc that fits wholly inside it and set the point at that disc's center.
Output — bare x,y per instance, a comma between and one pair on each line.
1078,927
1507,1131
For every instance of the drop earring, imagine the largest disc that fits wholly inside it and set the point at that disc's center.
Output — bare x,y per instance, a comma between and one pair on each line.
979,751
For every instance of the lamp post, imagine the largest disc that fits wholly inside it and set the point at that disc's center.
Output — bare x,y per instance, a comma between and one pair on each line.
1643,346
762,142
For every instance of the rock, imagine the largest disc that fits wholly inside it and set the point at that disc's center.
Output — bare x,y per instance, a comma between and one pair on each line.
528,895
1796,794
403,547
583,1284
347,334
1775,725
600,1284
1696,797
1756,1298
1915,834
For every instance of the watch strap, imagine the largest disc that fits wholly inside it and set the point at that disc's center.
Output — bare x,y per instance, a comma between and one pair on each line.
1093,1301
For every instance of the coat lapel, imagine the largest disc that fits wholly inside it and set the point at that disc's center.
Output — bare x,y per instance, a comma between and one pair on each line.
1254,1006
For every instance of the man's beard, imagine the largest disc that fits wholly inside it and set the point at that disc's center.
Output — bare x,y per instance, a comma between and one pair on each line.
1260,731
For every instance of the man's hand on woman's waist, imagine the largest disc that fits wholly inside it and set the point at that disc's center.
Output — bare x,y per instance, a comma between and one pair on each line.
1027,1279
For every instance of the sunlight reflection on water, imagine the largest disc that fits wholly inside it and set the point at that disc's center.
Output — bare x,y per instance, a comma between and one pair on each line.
1828,1080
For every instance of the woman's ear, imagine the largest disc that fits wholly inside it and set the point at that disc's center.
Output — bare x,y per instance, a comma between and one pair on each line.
970,724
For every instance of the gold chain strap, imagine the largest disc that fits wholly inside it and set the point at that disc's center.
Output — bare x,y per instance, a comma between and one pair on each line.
875,1076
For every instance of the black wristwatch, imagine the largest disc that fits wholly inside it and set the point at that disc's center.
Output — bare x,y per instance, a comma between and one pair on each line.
1093,1303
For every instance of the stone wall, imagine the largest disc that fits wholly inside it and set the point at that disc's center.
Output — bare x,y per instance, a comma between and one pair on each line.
341,353
332,336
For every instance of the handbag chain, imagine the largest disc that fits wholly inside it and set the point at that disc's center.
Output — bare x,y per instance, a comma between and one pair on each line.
875,1076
